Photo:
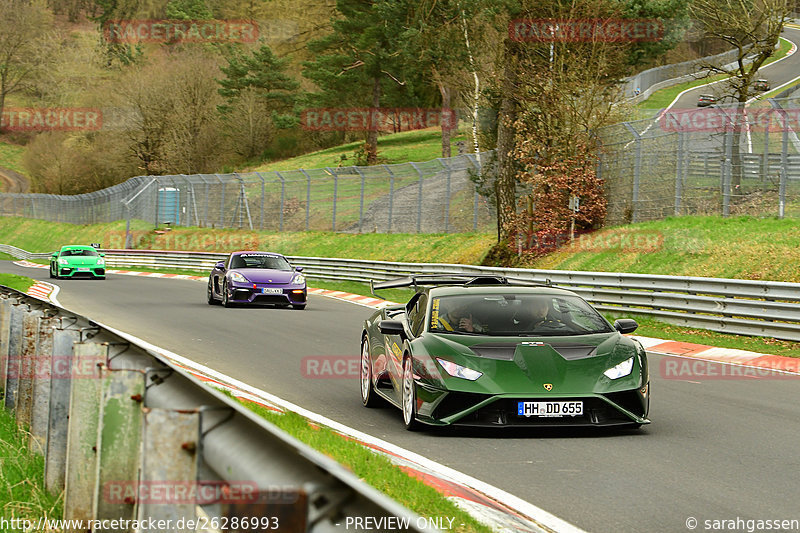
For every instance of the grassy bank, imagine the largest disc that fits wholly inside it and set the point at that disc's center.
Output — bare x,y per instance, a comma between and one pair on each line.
13,281
662,98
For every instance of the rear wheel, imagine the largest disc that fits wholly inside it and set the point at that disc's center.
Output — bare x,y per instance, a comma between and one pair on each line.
368,396
409,397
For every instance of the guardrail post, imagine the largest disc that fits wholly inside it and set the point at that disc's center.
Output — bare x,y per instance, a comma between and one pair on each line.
170,443
41,376
55,463
27,365
419,198
118,438
84,411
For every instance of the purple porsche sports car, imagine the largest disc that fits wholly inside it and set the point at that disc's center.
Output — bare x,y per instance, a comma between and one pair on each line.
257,278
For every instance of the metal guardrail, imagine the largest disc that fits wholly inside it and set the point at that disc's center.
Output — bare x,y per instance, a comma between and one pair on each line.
124,431
742,307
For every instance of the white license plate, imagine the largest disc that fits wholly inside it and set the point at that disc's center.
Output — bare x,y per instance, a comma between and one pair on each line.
83,270
574,408
270,290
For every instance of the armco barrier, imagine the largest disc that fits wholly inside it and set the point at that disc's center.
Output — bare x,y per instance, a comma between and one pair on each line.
130,436
742,307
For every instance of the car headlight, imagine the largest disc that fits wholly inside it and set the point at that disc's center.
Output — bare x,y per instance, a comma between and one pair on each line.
63,261
101,261
299,279
621,370
235,276
458,371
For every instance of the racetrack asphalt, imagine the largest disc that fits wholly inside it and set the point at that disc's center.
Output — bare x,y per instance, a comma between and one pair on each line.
717,448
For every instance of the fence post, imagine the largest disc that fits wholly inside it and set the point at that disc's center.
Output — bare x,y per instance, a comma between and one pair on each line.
727,173
308,197
419,198
637,169
361,202
447,193
391,196
283,199
335,191
679,174
263,193
27,366
784,156
42,383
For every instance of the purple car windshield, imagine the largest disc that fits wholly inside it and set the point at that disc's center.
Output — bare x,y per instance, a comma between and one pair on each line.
270,262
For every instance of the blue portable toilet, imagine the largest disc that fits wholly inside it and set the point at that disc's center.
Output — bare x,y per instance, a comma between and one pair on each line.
169,200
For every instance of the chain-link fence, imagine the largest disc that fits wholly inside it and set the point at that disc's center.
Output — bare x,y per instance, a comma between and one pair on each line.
430,197
714,160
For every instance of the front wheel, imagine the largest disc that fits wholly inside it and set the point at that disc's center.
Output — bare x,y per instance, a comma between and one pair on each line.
299,307
368,396
210,294
225,300
52,276
409,397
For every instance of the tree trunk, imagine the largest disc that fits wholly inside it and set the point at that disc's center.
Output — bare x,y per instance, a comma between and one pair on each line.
505,184
447,119
372,132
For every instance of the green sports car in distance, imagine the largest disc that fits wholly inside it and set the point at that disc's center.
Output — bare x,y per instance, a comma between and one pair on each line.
77,261
486,351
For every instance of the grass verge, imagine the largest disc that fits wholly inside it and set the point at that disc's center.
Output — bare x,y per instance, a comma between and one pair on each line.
417,145
22,492
376,470
21,283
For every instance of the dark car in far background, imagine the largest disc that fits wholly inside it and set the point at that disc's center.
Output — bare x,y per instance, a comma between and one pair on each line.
257,278
75,261
761,85
706,100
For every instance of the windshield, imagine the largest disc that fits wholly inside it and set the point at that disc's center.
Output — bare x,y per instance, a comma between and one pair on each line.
79,252
271,262
515,315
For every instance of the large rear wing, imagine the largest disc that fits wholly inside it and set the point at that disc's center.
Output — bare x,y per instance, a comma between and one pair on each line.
465,280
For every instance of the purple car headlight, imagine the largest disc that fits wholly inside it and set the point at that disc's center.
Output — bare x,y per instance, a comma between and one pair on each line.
238,278
298,279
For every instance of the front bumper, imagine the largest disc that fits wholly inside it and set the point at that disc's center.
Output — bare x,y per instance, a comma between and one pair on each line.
81,272
253,293
440,407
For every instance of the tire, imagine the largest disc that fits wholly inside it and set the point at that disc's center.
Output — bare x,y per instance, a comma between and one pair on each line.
210,294
409,399
368,396
299,307
50,270
225,302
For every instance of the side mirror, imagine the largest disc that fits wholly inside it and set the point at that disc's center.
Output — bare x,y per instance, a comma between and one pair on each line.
391,327
299,269
220,265
626,325
55,255
102,254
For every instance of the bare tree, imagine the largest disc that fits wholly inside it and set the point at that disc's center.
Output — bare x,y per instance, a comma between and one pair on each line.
23,27
752,28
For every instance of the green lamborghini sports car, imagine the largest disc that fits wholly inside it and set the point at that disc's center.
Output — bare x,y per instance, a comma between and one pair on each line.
488,351
77,261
